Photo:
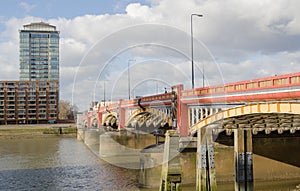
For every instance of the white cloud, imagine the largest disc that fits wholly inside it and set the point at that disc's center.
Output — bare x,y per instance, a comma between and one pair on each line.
144,13
249,39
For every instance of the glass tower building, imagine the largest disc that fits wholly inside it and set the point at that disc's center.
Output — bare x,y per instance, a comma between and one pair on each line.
39,52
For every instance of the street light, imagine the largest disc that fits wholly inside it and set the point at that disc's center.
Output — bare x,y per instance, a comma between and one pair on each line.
192,49
129,77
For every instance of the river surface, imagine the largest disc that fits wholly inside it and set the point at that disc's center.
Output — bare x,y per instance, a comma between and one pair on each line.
66,164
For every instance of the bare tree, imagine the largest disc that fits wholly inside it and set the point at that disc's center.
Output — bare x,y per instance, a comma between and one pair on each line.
67,110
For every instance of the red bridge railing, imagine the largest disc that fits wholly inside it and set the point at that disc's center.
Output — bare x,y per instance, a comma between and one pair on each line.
272,82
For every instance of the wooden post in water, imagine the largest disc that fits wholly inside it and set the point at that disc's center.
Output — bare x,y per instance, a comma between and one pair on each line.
243,162
171,168
205,172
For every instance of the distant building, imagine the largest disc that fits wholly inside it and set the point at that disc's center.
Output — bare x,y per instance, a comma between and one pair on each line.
35,98
28,102
39,52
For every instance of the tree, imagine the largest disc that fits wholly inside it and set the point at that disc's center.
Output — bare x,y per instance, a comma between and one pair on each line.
67,110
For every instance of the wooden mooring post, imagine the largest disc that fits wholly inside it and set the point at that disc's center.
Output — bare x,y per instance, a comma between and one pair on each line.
171,168
243,160
205,173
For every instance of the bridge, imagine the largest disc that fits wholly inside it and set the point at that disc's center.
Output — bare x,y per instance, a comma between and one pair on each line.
195,118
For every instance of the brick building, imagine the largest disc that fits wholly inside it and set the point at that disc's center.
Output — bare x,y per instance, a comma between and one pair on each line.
28,102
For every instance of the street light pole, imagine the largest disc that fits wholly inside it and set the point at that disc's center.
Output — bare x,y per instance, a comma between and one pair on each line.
192,48
129,76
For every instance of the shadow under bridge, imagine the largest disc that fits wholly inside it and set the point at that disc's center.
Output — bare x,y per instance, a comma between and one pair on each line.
111,120
149,120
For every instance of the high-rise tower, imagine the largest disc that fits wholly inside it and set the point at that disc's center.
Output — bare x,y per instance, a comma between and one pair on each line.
39,52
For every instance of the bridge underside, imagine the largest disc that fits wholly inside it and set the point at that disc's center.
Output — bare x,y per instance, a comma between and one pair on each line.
111,121
258,122
149,121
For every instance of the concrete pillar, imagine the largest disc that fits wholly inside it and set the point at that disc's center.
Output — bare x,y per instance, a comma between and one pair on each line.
91,139
80,134
171,168
205,172
243,160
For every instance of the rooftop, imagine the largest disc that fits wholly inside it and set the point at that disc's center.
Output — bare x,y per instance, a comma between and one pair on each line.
39,26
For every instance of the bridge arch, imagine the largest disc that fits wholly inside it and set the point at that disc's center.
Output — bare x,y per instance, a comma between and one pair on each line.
110,119
276,116
94,122
149,120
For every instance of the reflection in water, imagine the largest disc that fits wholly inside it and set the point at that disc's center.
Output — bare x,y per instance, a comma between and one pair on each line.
65,164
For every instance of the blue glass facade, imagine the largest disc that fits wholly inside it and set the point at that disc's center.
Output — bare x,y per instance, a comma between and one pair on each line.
39,52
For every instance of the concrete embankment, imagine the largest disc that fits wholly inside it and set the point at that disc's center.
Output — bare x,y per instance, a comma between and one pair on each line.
30,131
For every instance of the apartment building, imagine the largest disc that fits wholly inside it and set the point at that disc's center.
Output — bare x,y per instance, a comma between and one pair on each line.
28,102
35,97
39,52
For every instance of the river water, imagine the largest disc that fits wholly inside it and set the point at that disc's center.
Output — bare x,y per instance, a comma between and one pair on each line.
66,164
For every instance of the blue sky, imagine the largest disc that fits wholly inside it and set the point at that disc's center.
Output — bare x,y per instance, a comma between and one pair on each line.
63,8
237,40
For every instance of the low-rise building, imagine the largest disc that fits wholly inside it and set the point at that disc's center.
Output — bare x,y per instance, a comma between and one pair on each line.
28,102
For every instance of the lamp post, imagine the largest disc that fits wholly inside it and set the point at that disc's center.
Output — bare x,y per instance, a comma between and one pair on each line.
129,76
192,49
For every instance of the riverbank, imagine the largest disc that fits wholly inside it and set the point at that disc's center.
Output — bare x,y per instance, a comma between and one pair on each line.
37,130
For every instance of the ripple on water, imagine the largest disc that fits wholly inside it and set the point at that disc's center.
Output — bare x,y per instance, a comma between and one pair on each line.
64,164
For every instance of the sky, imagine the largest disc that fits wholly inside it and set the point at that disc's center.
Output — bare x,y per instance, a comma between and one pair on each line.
116,49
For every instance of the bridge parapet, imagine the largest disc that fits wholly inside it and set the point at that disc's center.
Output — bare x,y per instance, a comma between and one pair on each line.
281,87
272,82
